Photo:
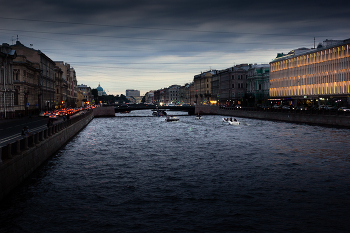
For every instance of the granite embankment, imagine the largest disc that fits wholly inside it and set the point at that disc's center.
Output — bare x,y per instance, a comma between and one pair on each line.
20,159
333,119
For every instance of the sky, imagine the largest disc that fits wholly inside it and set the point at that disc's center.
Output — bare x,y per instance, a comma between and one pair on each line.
152,44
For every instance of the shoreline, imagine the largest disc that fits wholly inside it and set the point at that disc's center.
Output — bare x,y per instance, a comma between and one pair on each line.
339,121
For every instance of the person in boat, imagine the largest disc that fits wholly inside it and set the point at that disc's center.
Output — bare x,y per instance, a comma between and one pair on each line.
231,119
235,119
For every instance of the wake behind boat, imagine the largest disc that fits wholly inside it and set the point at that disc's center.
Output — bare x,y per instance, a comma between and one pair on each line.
231,121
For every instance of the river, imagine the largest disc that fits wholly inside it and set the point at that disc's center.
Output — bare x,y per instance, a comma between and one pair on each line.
137,173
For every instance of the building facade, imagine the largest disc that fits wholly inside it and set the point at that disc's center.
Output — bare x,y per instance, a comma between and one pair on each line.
258,84
307,76
86,96
46,79
26,79
184,94
232,84
8,93
172,96
72,84
202,87
63,86
133,93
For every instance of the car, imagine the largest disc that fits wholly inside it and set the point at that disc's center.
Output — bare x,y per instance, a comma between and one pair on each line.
238,106
322,107
330,107
344,109
47,114
277,106
53,116
287,107
42,113
300,108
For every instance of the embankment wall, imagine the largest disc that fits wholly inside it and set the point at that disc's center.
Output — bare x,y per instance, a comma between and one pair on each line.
316,119
21,158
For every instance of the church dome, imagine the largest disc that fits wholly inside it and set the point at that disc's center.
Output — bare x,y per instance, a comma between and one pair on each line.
99,88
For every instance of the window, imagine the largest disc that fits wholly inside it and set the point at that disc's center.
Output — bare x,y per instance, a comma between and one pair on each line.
233,85
233,77
15,98
16,74
259,86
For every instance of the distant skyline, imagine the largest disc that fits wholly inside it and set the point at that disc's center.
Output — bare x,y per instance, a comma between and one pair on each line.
148,45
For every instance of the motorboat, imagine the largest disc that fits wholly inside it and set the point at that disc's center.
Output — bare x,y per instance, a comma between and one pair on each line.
231,121
171,118
198,117
159,113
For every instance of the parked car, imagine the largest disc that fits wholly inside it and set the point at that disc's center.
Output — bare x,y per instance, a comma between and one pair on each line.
330,107
300,108
238,106
277,106
344,109
322,107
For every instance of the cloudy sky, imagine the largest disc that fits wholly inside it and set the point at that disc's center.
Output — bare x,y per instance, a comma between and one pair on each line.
152,44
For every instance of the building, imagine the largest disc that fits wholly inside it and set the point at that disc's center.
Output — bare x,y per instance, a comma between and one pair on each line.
26,76
8,94
172,94
230,85
149,97
133,93
312,76
61,89
72,84
100,91
258,84
86,96
202,86
63,84
46,76
184,94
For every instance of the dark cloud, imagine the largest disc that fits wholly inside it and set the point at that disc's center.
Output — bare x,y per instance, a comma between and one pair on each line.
142,35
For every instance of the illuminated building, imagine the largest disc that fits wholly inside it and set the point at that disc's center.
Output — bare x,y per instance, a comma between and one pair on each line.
312,74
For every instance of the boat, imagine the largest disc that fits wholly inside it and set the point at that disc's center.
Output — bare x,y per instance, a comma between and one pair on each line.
230,121
171,118
158,113
198,117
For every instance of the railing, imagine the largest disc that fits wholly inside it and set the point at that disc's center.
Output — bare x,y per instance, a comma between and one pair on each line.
17,147
295,111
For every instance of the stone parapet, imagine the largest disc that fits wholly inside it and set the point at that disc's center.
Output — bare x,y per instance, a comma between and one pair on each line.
19,159
295,117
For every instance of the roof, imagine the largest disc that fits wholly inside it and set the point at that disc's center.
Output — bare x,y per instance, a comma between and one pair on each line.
301,51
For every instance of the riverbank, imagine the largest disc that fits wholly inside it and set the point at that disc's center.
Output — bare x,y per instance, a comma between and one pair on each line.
18,160
335,120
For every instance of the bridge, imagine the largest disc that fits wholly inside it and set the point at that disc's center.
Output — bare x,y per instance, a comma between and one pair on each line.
133,107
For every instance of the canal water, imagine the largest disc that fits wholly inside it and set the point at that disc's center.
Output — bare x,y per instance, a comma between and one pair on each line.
137,173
